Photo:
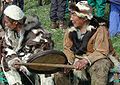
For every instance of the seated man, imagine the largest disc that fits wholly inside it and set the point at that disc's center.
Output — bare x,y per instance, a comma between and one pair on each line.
22,37
87,44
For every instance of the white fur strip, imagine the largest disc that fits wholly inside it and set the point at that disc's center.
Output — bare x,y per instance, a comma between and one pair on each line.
46,80
9,51
12,76
39,37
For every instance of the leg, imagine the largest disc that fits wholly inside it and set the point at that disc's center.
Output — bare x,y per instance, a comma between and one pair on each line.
53,10
99,72
61,9
118,18
21,4
100,8
53,14
61,13
14,2
114,19
61,79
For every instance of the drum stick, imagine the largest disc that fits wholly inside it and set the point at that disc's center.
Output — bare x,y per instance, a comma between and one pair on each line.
47,65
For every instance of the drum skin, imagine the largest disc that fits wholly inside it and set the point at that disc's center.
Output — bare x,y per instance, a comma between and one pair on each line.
48,57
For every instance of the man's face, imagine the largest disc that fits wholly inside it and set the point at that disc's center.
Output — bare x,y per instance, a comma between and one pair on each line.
8,23
77,21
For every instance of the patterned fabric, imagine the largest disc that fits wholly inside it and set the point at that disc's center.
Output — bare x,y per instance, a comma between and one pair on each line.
31,39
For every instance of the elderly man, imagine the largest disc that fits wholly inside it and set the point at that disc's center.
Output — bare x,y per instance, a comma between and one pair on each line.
87,46
22,37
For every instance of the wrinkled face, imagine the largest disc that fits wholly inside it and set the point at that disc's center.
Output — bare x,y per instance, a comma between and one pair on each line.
77,21
8,23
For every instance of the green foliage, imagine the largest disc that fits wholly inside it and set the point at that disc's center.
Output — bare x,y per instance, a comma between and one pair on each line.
116,43
31,7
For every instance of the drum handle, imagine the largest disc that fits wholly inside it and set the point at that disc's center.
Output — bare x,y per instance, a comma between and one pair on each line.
47,65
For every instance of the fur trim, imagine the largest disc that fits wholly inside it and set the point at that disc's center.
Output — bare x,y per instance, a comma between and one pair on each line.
12,75
9,51
90,27
81,74
72,29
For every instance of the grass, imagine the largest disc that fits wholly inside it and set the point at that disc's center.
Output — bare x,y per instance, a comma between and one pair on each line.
31,7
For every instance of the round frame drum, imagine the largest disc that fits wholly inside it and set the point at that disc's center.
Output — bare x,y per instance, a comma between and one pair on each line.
48,57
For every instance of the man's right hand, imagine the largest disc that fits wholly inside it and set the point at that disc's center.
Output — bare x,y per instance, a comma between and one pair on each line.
13,63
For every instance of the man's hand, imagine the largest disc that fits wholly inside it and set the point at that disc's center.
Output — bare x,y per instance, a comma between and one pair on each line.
80,64
13,63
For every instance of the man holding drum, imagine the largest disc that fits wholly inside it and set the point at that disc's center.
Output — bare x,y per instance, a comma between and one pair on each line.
23,36
87,44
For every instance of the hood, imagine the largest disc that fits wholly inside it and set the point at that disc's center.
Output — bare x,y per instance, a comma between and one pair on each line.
31,22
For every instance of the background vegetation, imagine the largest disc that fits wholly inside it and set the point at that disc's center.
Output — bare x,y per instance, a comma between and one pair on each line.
31,7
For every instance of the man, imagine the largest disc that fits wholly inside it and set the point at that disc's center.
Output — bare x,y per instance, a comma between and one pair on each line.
23,36
87,46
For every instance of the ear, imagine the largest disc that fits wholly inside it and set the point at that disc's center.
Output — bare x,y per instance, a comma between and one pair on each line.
15,23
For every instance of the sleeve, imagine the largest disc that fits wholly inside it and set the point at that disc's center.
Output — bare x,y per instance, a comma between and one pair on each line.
100,45
67,44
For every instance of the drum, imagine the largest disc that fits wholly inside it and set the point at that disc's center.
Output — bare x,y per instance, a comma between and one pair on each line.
47,57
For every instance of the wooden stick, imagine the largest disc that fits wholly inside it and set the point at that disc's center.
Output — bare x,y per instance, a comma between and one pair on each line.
47,65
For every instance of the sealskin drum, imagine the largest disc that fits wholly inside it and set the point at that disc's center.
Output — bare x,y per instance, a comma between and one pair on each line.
47,57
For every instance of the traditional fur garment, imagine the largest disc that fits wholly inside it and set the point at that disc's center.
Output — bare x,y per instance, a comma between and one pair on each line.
31,39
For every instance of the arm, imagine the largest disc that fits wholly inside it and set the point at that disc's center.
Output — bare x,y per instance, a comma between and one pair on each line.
100,45
100,48
67,45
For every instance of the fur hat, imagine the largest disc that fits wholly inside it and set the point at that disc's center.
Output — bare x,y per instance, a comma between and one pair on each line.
82,9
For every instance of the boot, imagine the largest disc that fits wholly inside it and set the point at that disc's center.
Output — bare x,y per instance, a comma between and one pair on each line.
54,25
62,25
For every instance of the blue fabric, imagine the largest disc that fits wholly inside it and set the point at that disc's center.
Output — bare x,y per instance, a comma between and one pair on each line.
115,1
114,19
